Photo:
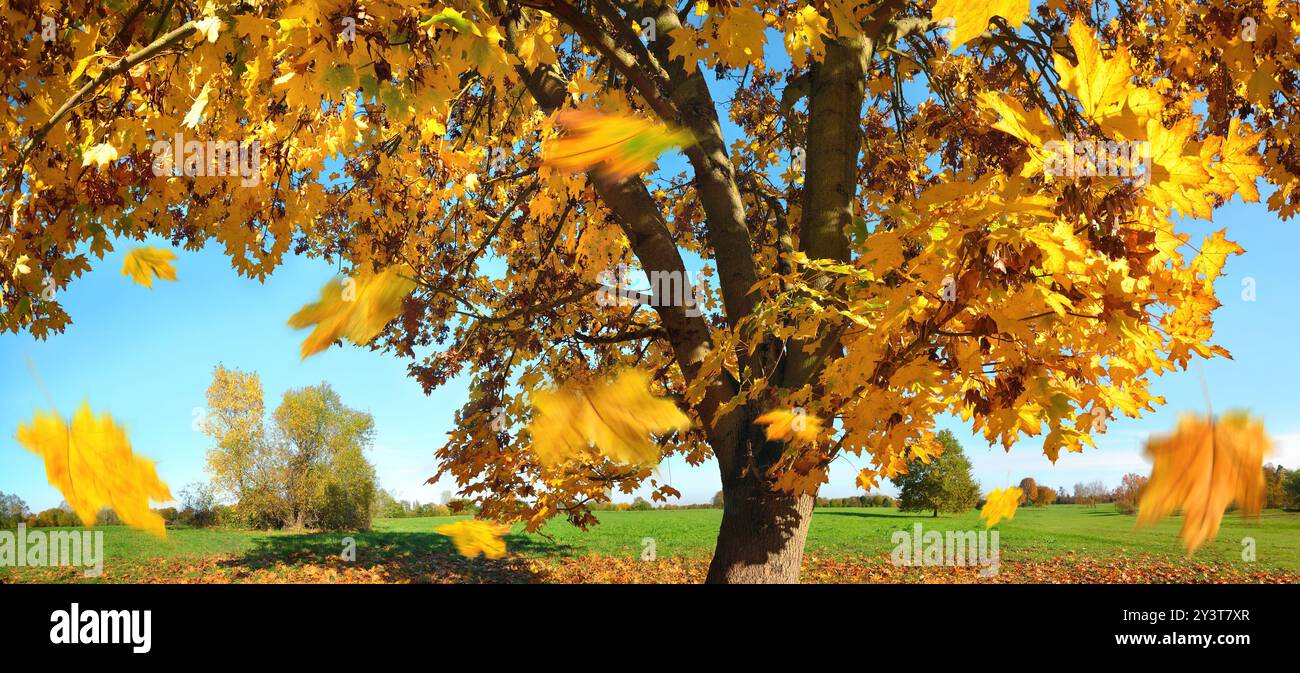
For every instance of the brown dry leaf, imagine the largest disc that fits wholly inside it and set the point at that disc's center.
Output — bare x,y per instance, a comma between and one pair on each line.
1203,468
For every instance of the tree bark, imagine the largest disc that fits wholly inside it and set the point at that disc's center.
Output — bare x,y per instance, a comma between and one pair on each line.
761,540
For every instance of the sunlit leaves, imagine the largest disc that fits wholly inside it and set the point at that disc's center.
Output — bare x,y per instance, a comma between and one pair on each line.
91,463
617,144
972,16
1000,504
145,263
1202,469
795,426
100,155
475,536
356,308
616,416
195,115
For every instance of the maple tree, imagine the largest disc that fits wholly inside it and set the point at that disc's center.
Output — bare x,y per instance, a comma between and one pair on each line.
919,208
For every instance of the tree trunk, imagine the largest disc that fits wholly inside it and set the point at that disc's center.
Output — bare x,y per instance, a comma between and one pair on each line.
762,537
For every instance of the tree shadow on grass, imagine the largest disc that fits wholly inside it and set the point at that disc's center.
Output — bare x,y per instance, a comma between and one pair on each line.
875,515
411,557
1104,513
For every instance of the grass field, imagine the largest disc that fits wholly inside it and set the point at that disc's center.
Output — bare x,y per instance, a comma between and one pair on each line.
1057,543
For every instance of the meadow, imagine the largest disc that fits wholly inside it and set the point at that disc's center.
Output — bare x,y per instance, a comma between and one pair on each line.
1059,543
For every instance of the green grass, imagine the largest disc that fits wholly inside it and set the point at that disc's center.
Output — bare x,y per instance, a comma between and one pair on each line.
1035,533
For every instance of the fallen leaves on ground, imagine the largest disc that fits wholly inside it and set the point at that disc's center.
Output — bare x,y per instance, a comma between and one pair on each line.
443,568
91,463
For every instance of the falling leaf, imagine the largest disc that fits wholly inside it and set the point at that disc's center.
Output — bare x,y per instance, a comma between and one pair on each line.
143,263
1202,468
791,426
100,155
195,115
1000,504
356,308
92,464
619,145
616,415
972,16
475,536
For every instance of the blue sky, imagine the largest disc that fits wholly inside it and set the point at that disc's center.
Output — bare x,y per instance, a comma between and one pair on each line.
147,356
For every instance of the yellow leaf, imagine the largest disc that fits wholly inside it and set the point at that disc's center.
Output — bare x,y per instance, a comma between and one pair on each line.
616,415
616,144
355,308
195,114
1100,84
1202,468
92,464
475,536
100,155
972,16
793,426
208,28
143,263
1000,504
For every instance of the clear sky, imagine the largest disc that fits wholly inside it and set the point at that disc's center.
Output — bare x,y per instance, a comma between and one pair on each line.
147,356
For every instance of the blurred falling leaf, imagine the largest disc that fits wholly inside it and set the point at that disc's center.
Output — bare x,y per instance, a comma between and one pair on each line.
1000,504
357,308
143,263
92,464
475,536
618,145
791,426
616,415
1202,468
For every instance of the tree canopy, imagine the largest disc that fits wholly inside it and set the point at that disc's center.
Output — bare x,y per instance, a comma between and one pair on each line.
903,209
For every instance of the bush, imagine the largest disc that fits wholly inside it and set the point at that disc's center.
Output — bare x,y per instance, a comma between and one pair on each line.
199,505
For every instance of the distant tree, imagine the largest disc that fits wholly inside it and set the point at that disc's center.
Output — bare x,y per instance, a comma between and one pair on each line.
1028,490
1063,496
1274,486
168,514
1044,496
945,484
717,499
1291,490
641,505
12,511
198,505
1129,490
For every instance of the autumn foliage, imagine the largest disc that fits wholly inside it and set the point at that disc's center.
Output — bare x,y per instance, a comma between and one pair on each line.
919,209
